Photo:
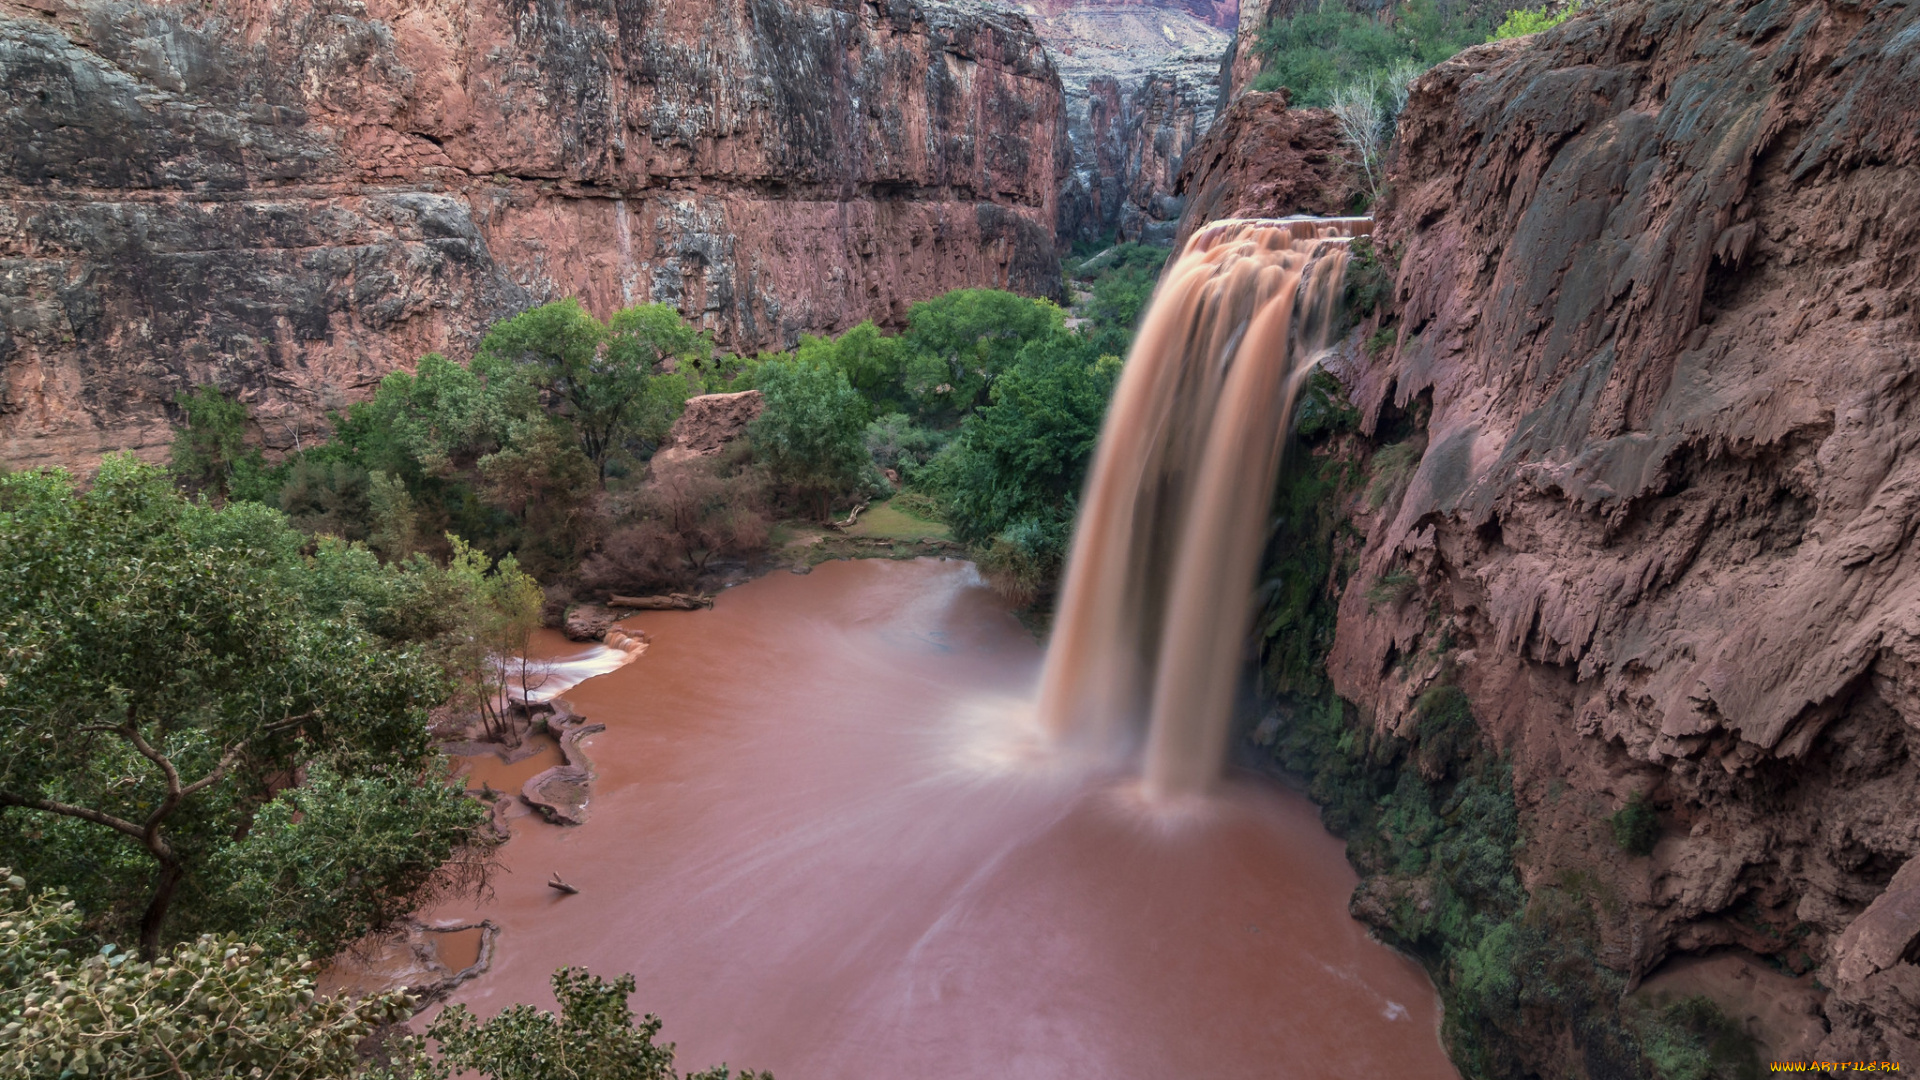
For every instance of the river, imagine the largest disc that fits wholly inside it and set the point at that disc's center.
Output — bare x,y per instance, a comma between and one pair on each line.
826,841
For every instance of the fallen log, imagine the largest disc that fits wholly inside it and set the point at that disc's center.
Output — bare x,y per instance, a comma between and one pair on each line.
668,602
851,518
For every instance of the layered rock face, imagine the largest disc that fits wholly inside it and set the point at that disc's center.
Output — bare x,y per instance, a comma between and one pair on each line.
1139,77
1655,301
1132,147
291,198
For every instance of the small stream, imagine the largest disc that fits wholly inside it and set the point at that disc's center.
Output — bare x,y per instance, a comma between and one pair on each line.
828,840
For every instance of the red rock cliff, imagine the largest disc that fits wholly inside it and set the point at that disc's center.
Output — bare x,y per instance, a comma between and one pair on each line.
292,198
1656,283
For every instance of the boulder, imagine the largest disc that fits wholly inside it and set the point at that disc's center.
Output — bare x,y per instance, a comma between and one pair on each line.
590,622
709,425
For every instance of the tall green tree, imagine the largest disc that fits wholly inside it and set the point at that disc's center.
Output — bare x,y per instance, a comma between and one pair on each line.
958,344
210,451
598,374
812,432
1011,480
160,672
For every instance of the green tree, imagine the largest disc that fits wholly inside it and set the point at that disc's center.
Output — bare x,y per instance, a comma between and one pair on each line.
501,611
598,374
158,669
1011,480
339,857
210,452
811,434
210,1008
958,344
870,360
594,1037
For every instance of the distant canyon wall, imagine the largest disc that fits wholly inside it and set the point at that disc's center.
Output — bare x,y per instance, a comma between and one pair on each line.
1656,300
290,199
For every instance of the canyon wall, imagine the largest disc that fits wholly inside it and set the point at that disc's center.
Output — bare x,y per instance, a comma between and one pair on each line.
1653,331
1263,159
1131,147
293,197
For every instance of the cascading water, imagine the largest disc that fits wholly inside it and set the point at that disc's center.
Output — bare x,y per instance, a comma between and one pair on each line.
1159,585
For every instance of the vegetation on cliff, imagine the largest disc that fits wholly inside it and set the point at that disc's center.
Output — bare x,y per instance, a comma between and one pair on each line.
1429,814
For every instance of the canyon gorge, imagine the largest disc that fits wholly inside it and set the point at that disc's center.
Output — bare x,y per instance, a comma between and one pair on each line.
289,200
1611,464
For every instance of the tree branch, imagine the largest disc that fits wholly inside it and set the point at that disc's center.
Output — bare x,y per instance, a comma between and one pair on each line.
8,798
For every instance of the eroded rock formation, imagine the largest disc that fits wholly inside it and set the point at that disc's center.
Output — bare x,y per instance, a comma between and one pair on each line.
291,198
1654,308
1262,159
1140,82
1133,146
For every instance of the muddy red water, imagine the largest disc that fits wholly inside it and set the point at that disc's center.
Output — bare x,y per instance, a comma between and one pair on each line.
822,845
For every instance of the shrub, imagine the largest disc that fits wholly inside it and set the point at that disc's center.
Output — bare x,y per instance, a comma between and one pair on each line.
1532,21
1636,827
1369,282
895,442
1393,468
812,434
1391,588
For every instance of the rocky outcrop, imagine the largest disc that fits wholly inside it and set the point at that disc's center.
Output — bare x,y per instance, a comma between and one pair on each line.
710,423
291,198
1133,147
1138,77
1652,329
1263,159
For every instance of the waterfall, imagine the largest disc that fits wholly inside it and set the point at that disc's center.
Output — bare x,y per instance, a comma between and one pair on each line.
1154,615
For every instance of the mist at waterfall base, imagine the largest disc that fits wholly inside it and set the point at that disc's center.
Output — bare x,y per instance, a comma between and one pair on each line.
831,835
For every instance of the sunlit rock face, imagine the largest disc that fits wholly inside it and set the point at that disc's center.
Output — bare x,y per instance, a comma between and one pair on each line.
1654,298
290,199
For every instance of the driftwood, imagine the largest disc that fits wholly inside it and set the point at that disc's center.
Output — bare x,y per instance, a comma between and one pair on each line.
554,882
668,602
847,524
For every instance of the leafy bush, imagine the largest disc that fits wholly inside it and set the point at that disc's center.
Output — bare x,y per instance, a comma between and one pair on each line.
1021,460
1531,21
594,1037
339,857
213,1007
895,442
1635,826
812,434
1327,48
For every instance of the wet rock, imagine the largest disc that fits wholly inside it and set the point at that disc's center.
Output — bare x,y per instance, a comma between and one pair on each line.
291,199
590,622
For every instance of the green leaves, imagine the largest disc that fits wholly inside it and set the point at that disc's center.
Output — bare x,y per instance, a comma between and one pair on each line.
812,432
213,1007
594,1037
192,657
